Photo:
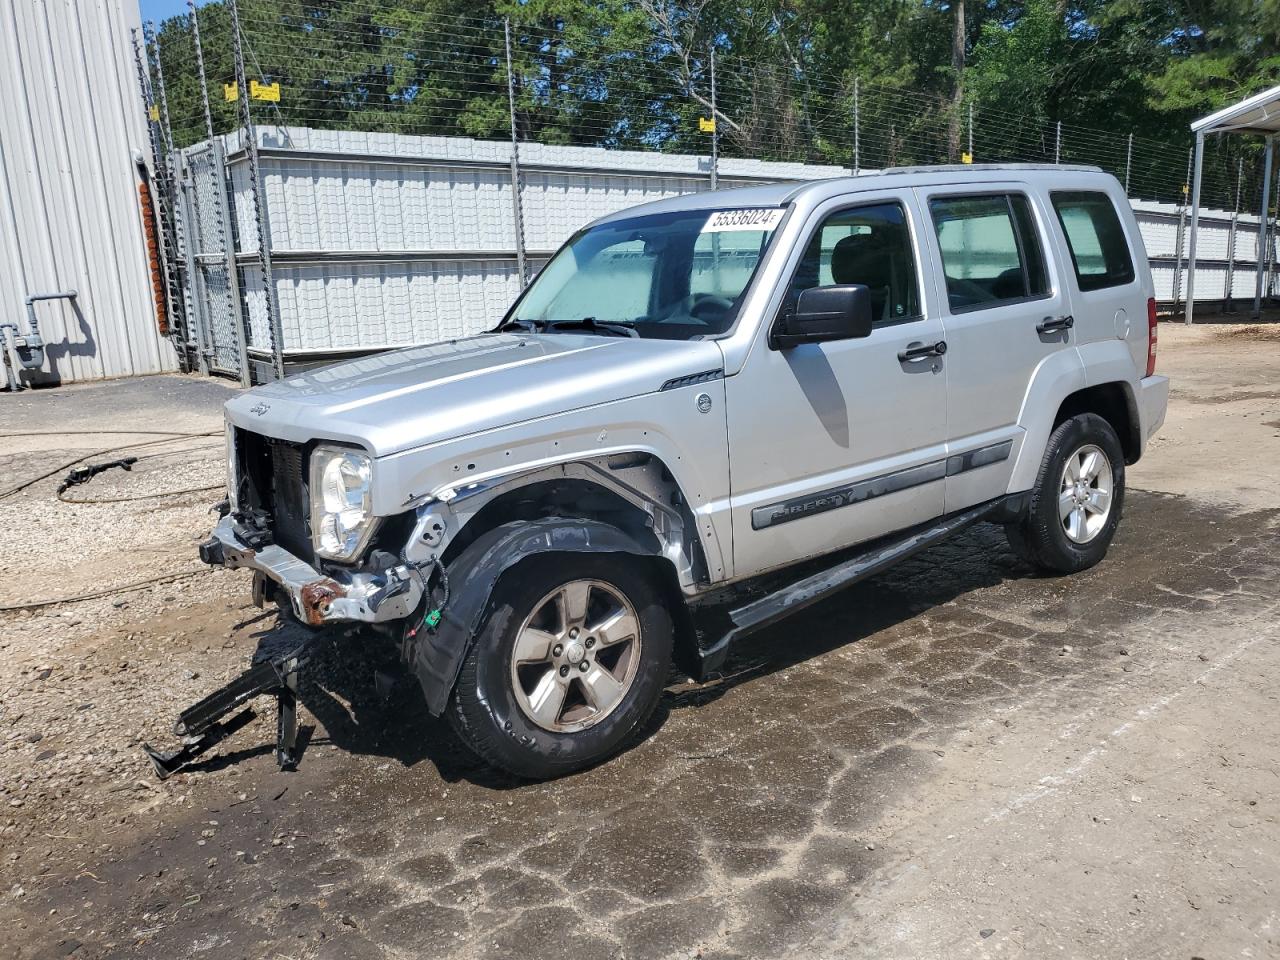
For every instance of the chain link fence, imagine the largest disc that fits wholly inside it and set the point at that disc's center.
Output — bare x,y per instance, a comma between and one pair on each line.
627,85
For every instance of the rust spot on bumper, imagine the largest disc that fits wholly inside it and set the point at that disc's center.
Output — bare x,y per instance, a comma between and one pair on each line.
316,598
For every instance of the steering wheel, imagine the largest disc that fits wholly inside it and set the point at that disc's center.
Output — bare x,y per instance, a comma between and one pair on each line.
706,301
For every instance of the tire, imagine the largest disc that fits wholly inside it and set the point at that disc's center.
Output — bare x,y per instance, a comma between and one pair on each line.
1062,531
504,707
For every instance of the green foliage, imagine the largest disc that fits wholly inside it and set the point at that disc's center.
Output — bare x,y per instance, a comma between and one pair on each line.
1020,63
636,73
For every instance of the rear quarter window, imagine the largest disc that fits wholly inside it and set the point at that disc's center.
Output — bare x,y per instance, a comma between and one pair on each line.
990,249
1099,249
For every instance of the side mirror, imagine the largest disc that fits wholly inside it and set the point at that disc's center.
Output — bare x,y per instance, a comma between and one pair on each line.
840,312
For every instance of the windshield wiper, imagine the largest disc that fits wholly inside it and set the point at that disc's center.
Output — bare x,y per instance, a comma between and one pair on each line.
533,326
618,328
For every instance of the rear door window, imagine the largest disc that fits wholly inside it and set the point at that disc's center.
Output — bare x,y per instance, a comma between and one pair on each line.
1099,249
991,252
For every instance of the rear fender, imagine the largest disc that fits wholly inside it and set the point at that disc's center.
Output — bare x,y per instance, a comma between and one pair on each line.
1058,375
1112,361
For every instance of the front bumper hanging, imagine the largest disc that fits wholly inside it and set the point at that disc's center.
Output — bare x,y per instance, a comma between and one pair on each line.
316,598
201,725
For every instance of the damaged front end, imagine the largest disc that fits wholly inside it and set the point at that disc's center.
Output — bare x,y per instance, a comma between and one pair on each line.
315,598
396,579
265,526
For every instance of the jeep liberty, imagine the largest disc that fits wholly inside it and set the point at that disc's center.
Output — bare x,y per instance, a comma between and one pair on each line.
691,394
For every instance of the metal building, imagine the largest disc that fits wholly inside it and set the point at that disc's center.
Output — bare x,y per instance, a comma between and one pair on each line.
72,130
1259,116
382,240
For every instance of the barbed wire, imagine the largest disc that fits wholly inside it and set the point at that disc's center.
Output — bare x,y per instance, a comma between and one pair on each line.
355,65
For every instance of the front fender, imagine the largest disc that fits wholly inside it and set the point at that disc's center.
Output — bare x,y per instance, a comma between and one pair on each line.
436,656
669,425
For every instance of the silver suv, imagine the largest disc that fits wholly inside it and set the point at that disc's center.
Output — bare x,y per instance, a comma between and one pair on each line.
693,393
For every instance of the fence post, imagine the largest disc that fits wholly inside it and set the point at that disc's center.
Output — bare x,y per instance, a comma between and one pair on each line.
1228,299
148,102
857,125
1128,164
1271,245
204,80
1196,180
1057,145
263,225
517,208
715,126
222,224
971,131
1178,248
154,198
1263,220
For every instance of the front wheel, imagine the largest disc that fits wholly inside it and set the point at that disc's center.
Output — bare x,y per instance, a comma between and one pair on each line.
1077,500
567,667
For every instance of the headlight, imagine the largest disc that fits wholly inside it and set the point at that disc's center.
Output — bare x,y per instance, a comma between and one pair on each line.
341,501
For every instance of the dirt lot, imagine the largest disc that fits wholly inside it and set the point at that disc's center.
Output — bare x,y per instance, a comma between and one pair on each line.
954,760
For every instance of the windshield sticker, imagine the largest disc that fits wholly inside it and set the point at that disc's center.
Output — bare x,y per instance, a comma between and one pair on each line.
757,218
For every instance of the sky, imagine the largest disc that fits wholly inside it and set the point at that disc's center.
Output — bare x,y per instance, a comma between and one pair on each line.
159,10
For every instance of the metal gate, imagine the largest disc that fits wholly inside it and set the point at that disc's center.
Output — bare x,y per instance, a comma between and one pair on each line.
215,283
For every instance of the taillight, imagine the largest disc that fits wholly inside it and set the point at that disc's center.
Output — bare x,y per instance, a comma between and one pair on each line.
1151,336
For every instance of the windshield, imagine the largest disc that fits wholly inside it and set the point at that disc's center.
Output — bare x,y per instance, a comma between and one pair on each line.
672,276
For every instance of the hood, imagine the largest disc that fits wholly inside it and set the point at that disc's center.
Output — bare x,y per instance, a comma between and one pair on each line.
409,398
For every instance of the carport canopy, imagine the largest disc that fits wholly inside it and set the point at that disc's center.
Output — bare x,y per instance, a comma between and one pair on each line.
1258,115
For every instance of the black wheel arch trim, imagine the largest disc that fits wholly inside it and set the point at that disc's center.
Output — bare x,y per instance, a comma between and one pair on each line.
436,656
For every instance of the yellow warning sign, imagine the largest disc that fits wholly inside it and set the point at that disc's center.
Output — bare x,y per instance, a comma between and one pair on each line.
230,91
264,91
154,113
966,157
707,126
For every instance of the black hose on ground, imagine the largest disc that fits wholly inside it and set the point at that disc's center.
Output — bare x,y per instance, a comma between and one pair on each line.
106,591
169,438
145,496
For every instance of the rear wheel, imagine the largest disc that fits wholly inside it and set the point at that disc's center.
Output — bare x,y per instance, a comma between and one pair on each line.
568,666
1077,500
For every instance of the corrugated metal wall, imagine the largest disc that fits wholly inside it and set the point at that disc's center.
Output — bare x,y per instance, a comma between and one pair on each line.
69,217
1159,223
381,239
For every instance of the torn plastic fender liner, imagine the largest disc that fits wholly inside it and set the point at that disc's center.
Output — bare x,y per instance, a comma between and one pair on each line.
438,654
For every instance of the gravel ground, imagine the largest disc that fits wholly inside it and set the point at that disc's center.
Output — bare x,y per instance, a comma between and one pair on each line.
953,760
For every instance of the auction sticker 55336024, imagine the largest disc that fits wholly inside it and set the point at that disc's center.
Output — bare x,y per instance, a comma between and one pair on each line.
750,218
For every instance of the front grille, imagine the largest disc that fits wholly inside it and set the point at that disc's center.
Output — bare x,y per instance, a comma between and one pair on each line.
272,478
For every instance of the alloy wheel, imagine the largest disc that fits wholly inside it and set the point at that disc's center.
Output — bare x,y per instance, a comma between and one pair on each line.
1084,498
576,656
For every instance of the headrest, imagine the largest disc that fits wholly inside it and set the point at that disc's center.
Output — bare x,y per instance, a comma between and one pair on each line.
862,258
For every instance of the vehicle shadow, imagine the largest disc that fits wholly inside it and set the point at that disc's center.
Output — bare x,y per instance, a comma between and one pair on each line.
975,559
369,704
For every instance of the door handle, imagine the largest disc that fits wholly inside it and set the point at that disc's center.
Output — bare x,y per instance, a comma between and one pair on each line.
1055,324
915,352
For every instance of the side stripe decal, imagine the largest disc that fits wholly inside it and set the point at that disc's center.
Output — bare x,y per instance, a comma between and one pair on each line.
805,506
